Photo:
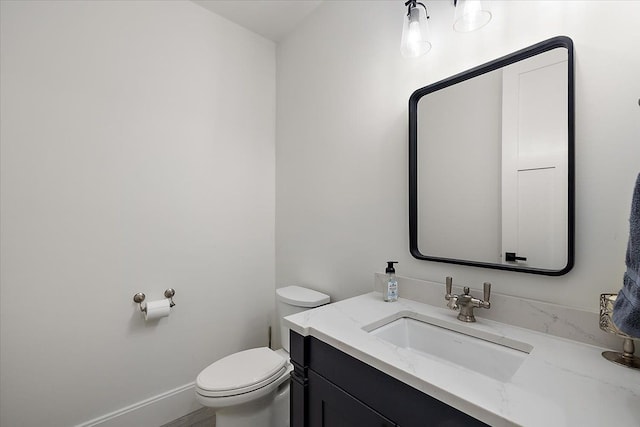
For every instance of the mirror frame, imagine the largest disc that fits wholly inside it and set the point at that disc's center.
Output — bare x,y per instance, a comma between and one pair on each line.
553,43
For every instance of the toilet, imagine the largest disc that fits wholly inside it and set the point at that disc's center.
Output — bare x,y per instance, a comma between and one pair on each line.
251,388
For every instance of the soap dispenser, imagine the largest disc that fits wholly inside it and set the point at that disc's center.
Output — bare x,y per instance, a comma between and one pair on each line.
391,291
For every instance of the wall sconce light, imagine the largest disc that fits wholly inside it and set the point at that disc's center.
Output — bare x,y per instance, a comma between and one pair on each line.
415,32
469,15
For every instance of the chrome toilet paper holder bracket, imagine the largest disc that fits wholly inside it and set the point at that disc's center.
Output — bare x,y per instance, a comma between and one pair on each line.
139,299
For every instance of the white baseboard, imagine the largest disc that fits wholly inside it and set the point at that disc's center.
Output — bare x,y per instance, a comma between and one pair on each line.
152,412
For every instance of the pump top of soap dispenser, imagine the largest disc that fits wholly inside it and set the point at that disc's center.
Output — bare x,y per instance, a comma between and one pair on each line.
390,268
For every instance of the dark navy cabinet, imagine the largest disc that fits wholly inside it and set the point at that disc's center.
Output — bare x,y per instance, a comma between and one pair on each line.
332,389
330,406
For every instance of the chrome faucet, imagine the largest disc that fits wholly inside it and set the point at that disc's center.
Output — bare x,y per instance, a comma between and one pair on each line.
465,302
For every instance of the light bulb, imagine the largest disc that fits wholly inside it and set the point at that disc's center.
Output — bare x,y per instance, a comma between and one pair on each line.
413,38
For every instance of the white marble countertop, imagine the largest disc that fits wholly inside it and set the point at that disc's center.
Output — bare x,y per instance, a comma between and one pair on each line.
560,383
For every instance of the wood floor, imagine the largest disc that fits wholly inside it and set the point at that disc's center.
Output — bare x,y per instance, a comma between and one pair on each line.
204,417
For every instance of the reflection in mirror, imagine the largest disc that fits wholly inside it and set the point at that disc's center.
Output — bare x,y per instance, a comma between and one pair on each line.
491,164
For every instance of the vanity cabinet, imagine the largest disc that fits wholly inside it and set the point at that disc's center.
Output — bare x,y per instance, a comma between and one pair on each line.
330,406
332,389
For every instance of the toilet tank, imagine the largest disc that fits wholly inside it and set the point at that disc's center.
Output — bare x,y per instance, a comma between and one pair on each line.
295,299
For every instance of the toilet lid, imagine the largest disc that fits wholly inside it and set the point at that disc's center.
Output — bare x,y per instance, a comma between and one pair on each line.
241,372
302,297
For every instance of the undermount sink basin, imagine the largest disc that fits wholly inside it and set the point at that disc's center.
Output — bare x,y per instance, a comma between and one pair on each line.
487,354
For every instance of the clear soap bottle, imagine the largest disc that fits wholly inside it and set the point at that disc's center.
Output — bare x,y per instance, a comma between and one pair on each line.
391,292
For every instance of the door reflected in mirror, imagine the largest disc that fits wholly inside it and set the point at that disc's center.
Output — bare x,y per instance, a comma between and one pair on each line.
491,164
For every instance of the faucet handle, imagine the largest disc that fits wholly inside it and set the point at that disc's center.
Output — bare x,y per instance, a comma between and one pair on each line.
453,299
453,303
487,294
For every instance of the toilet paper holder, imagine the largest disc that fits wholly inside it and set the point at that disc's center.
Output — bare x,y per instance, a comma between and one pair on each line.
139,299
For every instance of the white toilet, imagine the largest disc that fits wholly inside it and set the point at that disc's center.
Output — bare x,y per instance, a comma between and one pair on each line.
251,388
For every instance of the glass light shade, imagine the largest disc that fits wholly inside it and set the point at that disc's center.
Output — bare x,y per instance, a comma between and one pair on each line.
470,15
415,33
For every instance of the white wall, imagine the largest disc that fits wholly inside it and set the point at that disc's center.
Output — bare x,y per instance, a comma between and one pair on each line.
138,143
341,175
465,118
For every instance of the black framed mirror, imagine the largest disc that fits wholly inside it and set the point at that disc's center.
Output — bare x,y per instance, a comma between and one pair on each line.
491,164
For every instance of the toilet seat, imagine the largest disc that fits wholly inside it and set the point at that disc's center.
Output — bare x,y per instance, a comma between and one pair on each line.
241,373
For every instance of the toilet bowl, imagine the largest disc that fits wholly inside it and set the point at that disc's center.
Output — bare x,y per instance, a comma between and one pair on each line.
251,388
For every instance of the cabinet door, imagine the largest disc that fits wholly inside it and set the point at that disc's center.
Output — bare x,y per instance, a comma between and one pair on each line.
330,406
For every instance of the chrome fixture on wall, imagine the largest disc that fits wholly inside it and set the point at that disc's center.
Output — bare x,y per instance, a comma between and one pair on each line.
154,310
469,15
140,297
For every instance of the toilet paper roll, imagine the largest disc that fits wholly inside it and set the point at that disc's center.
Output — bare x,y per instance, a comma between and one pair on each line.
157,309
